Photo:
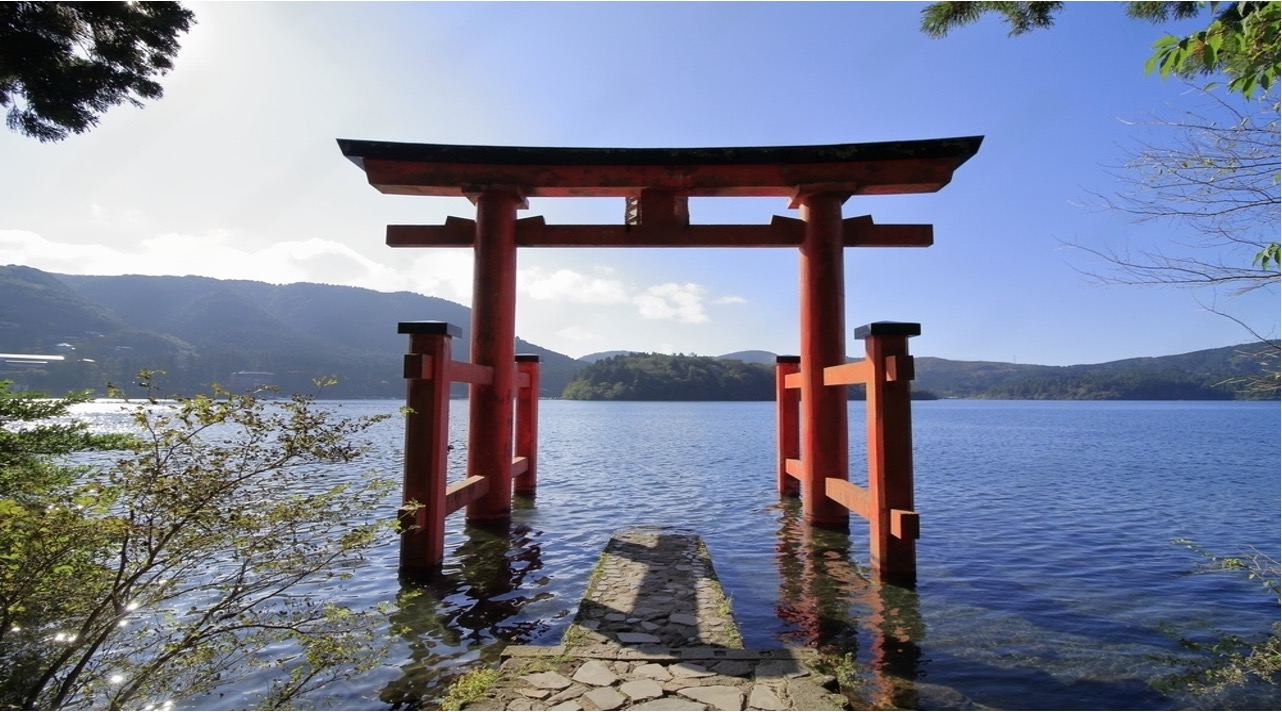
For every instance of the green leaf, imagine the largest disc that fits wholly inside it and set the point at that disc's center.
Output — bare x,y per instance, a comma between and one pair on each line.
1152,62
1208,56
1270,254
1244,85
1215,41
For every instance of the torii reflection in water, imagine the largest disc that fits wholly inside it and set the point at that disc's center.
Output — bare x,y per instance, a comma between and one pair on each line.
839,608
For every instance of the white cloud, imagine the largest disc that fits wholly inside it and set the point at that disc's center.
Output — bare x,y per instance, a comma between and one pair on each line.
576,333
443,273
730,299
103,216
566,285
23,247
676,302
670,301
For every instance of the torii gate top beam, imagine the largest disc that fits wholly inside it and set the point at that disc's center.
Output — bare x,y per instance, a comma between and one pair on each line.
885,168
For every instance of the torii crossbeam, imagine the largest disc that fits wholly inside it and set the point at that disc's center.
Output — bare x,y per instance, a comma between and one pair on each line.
657,184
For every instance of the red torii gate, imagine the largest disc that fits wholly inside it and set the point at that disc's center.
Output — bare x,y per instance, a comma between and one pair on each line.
657,184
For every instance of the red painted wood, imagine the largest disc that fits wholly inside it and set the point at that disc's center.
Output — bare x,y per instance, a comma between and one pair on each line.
905,525
464,372
794,468
781,232
890,235
859,177
465,492
427,395
417,366
663,207
847,374
849,495
520,466
890,464
900,367
824,439
787,426
527,425
489,449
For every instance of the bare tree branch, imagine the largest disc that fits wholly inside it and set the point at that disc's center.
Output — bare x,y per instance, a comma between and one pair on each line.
1212,175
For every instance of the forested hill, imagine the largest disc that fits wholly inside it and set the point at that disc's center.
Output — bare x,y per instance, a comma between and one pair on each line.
202,331
1244,372
1215,374
663,377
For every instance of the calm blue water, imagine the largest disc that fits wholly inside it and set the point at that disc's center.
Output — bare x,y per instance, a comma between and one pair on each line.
1046,563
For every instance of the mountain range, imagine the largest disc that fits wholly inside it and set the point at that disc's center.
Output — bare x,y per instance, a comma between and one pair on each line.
202,331
94,330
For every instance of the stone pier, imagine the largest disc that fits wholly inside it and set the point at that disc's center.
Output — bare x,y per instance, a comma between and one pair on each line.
655,631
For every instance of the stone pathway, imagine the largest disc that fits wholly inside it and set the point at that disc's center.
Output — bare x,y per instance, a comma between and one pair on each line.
655,632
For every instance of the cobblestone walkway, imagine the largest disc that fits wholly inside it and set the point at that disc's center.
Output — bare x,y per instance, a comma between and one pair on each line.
655,632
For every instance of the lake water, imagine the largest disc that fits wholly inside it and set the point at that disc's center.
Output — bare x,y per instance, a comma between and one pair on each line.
1047,568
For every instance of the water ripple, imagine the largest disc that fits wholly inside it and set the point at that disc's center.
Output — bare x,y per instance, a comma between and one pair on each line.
1046,565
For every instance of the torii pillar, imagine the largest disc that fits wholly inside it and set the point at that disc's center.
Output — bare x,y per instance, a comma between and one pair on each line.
489,440
825,449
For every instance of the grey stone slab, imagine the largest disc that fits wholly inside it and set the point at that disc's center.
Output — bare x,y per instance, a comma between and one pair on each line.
547,680
531,692
526,651
723,680
732,668
595,672
671,703
654,671
606,698
722,697
806,695
679,683
641,690
567,706
627,637
688,670
683,619
779,669
764,698
570,693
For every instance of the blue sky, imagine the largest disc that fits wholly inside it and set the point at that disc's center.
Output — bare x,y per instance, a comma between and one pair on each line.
235,173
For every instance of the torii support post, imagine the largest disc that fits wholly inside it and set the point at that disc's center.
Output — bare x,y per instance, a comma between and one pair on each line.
893,523
527,423
427,395
787,436
489,442
824,436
